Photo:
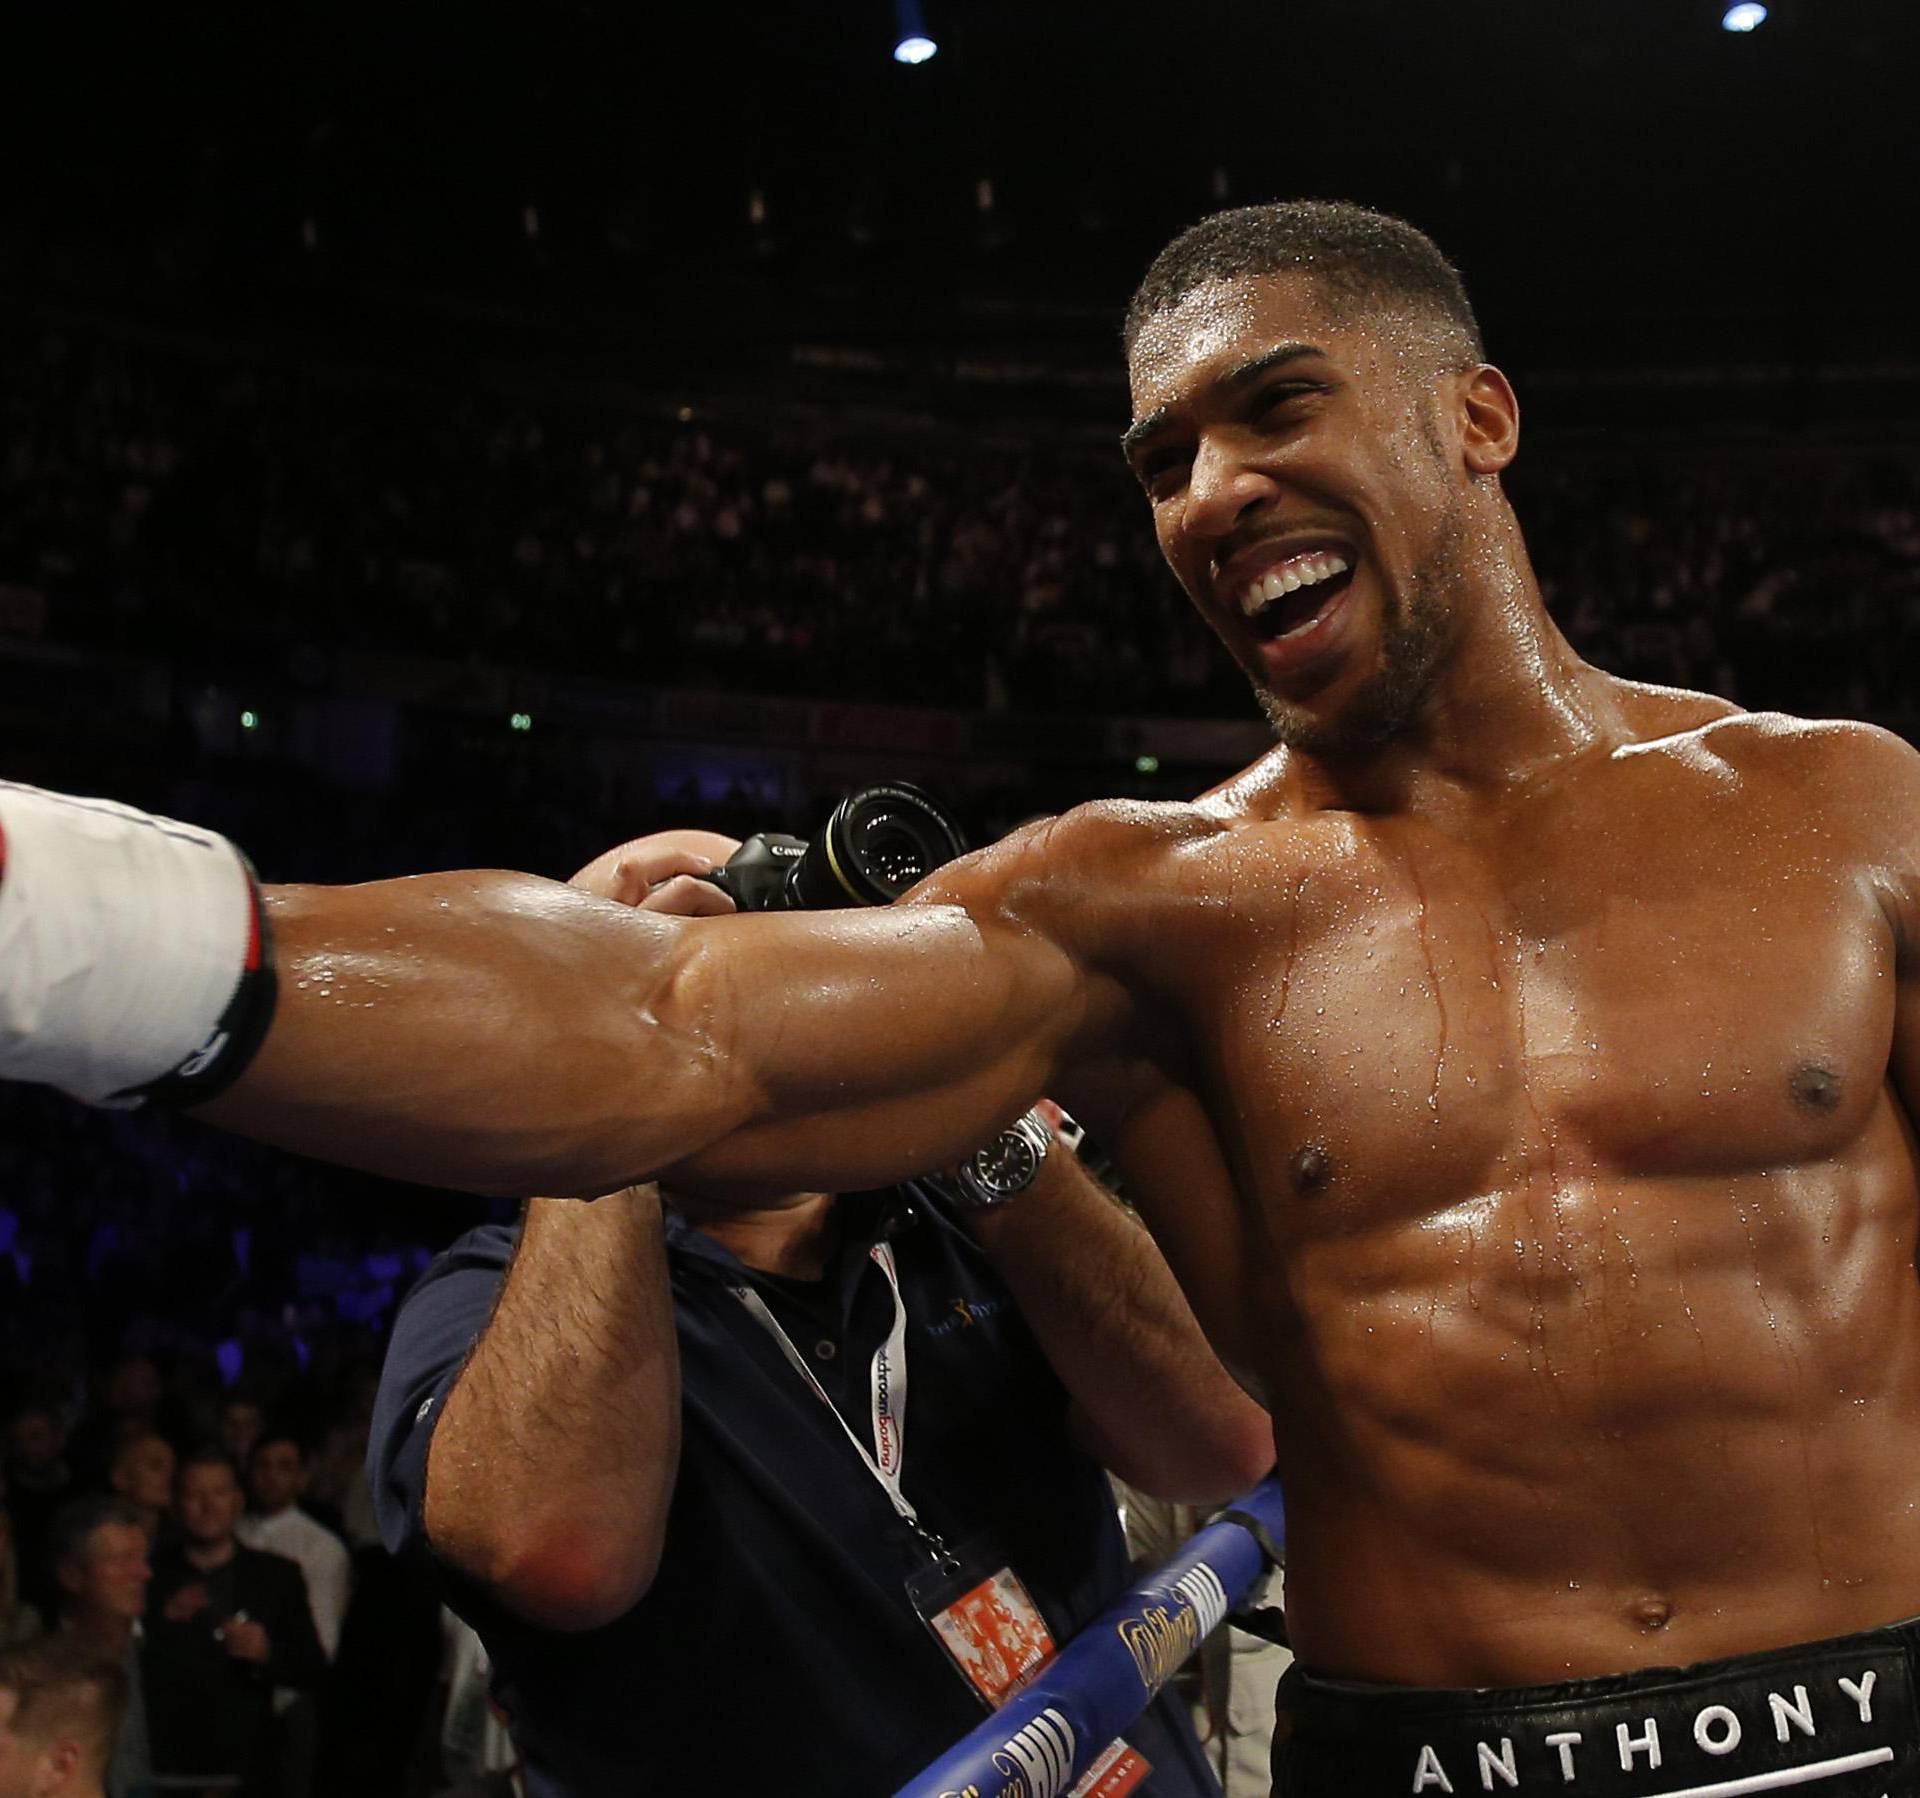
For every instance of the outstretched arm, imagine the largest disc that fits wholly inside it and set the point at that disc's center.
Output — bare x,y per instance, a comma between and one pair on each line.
504,1034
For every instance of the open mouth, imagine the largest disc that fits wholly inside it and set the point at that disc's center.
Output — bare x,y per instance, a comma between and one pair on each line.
1292,610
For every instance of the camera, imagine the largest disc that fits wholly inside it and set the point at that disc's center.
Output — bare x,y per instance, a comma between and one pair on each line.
879,842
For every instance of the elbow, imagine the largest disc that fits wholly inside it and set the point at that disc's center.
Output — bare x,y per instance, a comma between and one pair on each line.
1210,1468
570,1575
1240,1457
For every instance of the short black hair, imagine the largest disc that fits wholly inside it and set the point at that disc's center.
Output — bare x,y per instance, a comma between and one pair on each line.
207,1454
78,1518
1361,260
279,1432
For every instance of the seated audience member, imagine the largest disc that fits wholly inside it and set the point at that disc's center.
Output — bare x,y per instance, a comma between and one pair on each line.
99,1549
242,1418
60,1711
276,1482
142,1474
132,1394
19,1621
39,1482
225,1626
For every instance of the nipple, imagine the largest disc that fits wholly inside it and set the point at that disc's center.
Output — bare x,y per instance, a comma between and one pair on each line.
1815,1087
1312,1168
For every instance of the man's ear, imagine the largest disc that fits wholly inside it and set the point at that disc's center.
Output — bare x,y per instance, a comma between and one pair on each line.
1490,420
59,1768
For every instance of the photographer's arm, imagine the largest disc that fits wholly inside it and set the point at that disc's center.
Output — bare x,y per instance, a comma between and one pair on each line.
1151,1400
553,1463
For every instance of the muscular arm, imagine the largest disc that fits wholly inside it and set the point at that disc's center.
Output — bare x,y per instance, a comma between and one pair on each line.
1152,1402
505,1034
553,1464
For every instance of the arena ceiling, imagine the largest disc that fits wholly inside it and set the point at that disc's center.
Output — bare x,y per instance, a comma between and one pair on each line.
1621,179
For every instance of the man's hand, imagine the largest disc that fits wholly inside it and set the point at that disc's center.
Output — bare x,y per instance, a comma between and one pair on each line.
188,1602
662,873
245,1639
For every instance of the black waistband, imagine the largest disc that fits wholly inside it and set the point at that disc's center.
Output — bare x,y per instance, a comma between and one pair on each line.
1836,1719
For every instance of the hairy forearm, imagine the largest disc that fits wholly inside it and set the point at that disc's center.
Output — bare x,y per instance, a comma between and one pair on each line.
486,1031
1157,1405
553,1465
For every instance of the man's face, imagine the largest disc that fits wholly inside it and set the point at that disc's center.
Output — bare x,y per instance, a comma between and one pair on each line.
143,1472
240,1424
209,1500
276,1476
1277,444
134,1386
109,1579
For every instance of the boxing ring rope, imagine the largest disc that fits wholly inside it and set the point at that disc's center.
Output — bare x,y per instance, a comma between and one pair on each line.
1045,1736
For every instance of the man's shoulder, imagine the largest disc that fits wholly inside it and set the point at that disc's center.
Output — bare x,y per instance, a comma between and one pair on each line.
1105,838
297,1530
267,1565
1832,762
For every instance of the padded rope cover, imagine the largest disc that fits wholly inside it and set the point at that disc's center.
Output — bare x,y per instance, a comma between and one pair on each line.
1043,1738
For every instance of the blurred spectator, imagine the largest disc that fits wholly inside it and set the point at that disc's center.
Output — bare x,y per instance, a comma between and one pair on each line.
60,1712
142,1473
225,1626
242,1418
477,1754
160,496
19,1621
38,1484
99,1548
276,1482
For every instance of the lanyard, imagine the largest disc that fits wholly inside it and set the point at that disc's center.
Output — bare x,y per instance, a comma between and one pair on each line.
888,1382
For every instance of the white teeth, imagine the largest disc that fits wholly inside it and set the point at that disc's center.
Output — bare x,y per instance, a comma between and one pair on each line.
1304,571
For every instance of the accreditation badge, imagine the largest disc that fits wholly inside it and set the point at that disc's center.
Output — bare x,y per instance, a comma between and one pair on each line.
993,1633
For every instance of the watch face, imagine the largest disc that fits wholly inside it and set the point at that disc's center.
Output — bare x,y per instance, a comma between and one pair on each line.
1008,1164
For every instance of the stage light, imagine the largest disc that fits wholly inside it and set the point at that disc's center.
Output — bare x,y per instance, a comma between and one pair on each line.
1747,15
1146,764
249,720
912,45
520,721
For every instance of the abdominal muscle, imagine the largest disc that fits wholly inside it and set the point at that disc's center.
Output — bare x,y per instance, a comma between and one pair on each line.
1630,1423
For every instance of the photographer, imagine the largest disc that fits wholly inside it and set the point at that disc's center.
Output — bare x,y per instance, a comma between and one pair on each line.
667,1457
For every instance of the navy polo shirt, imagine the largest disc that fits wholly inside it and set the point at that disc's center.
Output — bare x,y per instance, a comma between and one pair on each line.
776,1649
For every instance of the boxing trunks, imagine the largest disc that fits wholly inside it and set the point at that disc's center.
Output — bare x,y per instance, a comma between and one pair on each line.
1834,1719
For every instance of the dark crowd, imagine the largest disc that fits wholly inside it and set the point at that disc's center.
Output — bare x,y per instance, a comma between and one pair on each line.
191,1328
191,1332
160,496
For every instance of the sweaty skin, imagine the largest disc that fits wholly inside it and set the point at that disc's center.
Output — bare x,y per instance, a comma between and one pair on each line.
1516,1065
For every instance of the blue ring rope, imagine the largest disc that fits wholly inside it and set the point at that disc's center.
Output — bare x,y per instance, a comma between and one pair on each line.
1045,1736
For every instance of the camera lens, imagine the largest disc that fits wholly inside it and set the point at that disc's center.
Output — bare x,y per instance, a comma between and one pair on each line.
878,843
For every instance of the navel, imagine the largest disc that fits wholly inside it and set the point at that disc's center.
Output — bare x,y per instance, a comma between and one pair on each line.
1650,1615
1815,1086
1312,1168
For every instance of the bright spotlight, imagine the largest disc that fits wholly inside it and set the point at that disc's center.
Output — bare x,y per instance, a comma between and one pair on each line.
1747,15
912,45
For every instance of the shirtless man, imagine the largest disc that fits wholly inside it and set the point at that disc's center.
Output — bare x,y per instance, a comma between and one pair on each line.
1515,1066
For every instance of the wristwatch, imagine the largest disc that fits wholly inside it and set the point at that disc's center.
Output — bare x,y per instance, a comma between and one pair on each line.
1004,1168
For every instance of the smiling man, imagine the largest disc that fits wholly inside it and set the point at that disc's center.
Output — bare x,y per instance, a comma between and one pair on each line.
1516,1066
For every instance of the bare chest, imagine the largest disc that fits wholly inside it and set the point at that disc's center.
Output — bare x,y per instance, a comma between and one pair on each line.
1410,1018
